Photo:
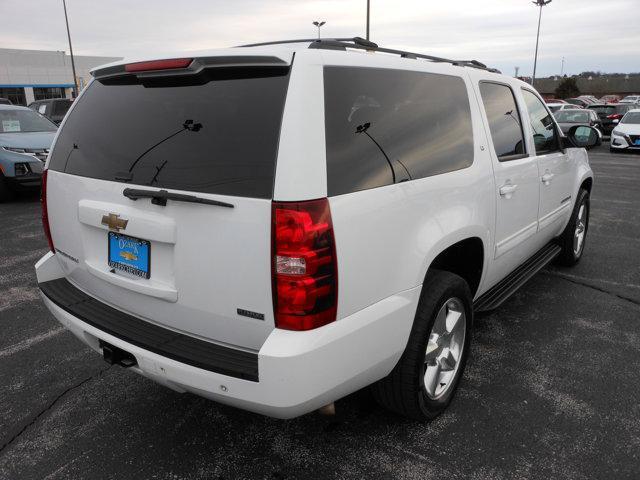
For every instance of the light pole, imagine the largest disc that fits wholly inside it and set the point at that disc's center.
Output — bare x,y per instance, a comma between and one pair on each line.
368,12
539,3
319,24
73,63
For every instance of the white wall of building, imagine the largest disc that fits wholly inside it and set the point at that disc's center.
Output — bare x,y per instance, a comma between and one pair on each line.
42,68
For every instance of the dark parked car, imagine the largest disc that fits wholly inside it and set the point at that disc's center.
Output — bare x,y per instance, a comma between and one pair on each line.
610,114
570,118
54,109
5,101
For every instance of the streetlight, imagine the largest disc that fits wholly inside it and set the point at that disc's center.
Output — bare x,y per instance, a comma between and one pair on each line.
368,11
539,3
73,64
319,24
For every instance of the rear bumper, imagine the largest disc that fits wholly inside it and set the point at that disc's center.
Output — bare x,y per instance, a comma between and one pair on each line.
298,372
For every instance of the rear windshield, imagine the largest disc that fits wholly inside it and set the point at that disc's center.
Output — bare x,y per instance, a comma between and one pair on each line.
60,107
603,109
16,121
219,136
572,116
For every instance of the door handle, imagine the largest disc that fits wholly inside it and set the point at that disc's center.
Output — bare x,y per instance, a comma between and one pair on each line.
547,177
507,190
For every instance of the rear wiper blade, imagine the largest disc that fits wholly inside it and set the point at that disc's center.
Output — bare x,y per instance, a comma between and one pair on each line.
160,197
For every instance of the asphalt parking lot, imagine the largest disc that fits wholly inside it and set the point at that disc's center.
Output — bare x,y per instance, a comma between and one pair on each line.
551,391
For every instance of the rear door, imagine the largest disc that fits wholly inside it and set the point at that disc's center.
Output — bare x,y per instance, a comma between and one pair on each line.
516,175
555,181
200,268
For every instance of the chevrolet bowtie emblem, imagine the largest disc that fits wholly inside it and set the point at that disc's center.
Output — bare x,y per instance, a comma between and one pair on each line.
114,222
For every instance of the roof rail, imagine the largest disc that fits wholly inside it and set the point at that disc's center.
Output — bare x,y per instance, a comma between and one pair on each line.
362,44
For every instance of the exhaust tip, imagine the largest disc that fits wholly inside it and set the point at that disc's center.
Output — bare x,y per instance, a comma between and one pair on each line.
328,410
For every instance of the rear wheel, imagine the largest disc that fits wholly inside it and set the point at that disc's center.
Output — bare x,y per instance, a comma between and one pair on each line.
426,377
573,238
5,192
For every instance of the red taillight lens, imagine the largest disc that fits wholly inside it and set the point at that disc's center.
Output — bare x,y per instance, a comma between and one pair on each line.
304,267
159,65
45,214
614,116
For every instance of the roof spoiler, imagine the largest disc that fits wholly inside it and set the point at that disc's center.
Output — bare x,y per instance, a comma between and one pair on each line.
185,67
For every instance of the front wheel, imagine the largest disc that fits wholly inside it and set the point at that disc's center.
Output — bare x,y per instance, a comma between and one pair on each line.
427,375
573,238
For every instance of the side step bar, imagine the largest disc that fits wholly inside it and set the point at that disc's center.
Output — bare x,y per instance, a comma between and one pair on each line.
496,295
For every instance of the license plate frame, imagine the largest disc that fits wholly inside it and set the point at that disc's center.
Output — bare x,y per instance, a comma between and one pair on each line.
119,246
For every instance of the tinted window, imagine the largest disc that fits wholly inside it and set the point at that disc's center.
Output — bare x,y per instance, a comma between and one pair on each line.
215,135
545,137
603,110
382,124
14,121
504,120
61,107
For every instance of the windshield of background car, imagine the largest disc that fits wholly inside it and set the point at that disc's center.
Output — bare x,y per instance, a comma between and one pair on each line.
570,116
631,118
23,121
214,134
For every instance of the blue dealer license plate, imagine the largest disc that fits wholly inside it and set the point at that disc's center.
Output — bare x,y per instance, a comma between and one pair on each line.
129,254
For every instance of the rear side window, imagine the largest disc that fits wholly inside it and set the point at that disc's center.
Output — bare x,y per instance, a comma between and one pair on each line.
392,125
215,135
504,120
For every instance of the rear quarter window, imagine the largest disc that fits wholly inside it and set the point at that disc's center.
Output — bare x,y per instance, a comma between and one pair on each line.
387,125
217,134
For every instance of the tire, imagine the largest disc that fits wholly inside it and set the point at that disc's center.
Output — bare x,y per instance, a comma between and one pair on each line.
571,252
6,193
404,390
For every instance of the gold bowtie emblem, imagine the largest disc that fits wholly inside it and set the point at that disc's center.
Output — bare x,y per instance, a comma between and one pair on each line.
114,222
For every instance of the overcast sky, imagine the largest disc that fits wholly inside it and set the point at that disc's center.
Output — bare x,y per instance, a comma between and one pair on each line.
591,34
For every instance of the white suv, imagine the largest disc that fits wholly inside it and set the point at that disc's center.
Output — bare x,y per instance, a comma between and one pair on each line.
277,226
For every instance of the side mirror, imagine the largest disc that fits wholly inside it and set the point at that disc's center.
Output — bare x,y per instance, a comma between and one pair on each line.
581,136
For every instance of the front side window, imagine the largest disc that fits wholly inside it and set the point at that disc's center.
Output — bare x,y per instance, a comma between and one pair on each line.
545,136
504,120
387,126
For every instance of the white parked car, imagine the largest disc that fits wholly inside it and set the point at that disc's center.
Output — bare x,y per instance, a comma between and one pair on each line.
634,99
277,226
556,107
626,135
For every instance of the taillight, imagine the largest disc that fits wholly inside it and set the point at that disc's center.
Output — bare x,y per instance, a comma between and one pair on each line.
170,64
614,116
304,267
45,215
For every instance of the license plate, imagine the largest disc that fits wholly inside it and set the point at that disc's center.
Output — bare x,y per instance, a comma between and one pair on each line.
129,254
637,142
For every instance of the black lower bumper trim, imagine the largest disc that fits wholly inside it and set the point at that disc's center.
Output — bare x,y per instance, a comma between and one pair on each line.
177,346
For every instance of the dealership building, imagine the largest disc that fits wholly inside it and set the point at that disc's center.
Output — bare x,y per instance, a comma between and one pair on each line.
29,75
